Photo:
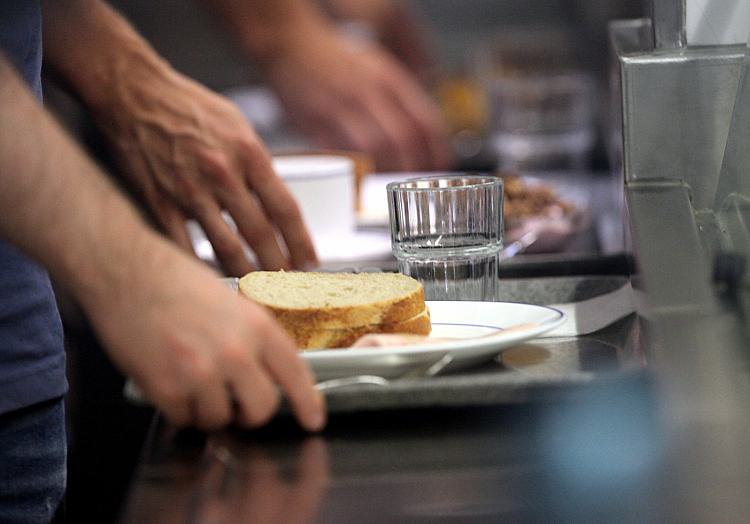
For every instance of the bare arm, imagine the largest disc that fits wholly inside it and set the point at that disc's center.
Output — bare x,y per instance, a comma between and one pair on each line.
191,345
188,151
342,94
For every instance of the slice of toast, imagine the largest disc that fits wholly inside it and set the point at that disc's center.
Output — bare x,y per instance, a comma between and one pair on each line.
340,338
330,309
335,300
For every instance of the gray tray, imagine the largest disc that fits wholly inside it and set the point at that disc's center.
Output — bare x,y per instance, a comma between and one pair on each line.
540,370
545,369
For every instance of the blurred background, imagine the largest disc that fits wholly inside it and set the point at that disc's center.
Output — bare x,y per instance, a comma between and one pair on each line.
472,44
458,27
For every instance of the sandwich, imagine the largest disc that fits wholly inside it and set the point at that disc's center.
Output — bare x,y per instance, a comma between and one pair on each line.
333,310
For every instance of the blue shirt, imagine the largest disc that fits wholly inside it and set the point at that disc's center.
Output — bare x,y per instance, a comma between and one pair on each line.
32,358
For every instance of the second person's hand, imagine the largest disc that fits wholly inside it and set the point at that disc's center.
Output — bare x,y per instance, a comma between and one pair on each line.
347,94
188,151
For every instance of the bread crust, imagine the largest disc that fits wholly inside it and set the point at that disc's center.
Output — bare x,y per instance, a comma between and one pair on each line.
326,310
393,310
419,324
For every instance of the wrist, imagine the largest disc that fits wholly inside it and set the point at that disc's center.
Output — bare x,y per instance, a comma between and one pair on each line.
107,254
96,52
270,38
125,80
113,273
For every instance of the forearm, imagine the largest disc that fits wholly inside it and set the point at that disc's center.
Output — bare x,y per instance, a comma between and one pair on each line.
372,11
266,29
97,52
57,205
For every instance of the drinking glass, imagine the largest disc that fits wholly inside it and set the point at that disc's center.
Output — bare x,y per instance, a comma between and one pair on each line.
543,121
541,101
447,232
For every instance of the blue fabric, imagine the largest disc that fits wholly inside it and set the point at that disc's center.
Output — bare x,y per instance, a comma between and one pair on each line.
21,39
32,463
32,359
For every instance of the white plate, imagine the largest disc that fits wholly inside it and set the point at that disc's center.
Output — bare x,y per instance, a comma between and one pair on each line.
468,322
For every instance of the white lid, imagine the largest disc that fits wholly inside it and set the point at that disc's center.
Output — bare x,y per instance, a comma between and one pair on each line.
312,166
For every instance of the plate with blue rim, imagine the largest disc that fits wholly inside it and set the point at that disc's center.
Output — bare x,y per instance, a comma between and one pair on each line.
471,332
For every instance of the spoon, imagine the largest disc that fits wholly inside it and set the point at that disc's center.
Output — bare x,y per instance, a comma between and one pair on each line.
428,370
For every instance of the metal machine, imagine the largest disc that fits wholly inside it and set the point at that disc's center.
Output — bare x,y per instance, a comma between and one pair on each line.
683,145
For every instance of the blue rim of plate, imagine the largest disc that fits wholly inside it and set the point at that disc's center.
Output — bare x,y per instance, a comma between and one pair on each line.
467,343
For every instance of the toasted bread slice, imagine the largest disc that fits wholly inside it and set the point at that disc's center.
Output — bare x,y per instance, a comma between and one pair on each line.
330,301
340,338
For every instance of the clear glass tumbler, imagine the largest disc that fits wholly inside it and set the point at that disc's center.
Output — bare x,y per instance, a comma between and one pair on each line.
447,231
543,121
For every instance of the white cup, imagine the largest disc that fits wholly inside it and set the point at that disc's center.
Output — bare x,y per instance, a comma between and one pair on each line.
323,187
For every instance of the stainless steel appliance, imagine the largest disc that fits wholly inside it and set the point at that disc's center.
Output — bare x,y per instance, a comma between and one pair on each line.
685,165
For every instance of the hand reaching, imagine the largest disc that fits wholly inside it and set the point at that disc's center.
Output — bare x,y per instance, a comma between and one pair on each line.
346,94
397,26
191,154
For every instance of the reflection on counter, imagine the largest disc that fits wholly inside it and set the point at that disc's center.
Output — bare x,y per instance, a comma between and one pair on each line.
595,457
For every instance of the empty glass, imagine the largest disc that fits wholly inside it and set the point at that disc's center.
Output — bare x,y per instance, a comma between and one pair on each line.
543,121
447,232
541,102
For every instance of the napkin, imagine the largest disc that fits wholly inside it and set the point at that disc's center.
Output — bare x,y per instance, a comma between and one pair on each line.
588,316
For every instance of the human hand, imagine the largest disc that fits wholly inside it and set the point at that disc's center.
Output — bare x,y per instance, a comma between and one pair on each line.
348,95
396,25
203,355
200,353
191,154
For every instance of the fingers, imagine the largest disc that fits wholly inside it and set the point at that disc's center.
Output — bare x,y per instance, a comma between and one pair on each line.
211,407
427,121
396,122
233,372
227,245
197,395
173,402
172,222
163,209
287,369
397,142
280,207
256,229
247,213
374,128
429,135
256,397
253,377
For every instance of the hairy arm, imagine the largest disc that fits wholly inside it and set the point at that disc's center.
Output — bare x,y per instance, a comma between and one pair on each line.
189,152
191,345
